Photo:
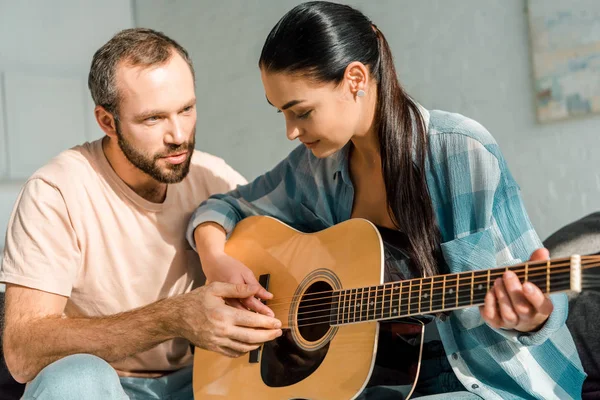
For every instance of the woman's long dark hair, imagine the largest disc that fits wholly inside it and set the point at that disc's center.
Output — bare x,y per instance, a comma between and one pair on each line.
319,40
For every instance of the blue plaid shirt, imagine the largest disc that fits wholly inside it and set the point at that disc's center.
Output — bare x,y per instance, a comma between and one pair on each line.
483,224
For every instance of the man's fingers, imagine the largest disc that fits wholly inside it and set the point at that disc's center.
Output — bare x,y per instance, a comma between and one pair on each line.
236,303
237,346
250,319
250,336
229,352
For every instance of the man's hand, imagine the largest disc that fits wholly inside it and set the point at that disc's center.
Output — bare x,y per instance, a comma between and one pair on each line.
512,305
208,322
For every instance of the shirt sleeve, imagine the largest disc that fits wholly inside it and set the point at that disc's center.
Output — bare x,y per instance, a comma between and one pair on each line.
482,217
41,249
270,194
224,178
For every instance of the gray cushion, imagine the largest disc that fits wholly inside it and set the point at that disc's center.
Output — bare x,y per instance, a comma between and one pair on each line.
582,237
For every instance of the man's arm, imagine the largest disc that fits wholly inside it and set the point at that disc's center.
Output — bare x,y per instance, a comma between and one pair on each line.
37,334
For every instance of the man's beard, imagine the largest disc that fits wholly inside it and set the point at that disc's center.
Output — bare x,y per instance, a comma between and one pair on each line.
172,173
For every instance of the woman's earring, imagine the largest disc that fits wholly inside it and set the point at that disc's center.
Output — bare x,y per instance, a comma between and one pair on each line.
361,93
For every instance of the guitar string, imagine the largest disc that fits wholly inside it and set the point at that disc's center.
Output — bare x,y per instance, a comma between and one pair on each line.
412,294
468,280
451,279
392,317
382,301
537,265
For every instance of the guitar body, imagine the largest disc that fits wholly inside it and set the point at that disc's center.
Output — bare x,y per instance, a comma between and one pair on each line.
316,361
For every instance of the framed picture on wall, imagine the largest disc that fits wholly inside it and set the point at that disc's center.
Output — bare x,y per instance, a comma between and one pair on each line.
565,46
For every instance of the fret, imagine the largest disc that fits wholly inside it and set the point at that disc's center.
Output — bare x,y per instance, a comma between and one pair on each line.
420,291
354,304
390,300
410,303
540,278
347,306
334,318
371,304
383,294
344,307
415,297
488,280
526,273
379,302
472,284
444,294
348,303
457,288
383,302
396,295
361,315
404,305
451,282
480,287
548,276
465,287
431,295
561,278
437,293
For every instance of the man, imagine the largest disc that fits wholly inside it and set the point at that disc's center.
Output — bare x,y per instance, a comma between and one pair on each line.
103,292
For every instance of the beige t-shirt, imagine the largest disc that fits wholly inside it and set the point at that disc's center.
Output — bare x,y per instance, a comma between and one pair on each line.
79,231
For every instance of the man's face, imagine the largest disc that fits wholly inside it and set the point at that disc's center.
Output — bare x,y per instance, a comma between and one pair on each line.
157,118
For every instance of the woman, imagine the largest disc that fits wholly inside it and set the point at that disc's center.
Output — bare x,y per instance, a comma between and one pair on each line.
369,151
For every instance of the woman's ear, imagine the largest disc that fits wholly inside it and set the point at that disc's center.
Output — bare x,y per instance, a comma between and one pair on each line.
357,78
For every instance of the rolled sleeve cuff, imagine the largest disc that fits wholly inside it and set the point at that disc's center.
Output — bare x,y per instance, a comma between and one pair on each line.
221,214
554,322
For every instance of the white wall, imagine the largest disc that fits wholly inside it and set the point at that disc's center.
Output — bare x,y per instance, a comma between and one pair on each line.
467,56
45,107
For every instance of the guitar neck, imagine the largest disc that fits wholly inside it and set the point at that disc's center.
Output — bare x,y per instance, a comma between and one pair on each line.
443,293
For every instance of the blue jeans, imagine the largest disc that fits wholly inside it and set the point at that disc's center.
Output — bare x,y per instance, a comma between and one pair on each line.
437,381
83,376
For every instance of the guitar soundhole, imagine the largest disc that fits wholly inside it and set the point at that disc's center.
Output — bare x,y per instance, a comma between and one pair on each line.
283,361
314,311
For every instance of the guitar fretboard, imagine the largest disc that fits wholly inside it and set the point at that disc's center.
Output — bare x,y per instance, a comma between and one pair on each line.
439,293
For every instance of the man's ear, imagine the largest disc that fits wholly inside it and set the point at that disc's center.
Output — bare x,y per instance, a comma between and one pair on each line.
106,121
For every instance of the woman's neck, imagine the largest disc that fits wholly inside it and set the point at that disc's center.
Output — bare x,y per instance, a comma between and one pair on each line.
366,153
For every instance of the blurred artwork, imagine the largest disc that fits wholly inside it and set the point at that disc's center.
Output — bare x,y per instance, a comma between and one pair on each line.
565,40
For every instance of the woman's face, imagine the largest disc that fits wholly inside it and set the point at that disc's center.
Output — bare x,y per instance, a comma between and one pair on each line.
323,116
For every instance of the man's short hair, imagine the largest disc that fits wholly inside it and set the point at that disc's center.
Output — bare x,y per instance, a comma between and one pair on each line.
136,47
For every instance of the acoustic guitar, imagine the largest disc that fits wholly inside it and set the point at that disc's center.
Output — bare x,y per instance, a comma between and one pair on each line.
330,295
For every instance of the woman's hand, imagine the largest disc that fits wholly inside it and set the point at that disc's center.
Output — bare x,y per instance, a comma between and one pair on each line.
512,305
